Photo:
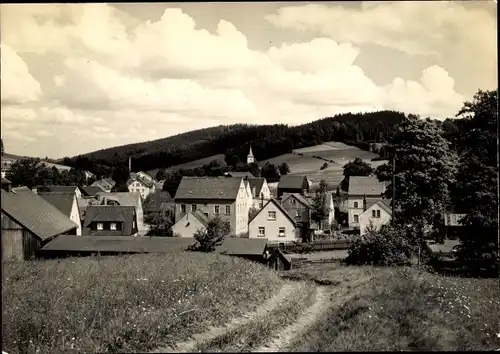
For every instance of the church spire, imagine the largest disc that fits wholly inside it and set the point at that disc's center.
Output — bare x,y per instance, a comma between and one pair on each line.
250,157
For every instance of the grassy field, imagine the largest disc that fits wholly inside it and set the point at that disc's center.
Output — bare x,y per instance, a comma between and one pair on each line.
404,309
192,164
124,303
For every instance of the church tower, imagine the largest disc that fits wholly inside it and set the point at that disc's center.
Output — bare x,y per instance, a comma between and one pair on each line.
250,157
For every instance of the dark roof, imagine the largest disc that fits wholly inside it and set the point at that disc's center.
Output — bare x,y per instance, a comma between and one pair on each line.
257,183
110,213
62,201
237,246
6,181
241,174
382,203
35,214
445,248
119,244
91,191
61,189
208,188
198,214
275,202
156,201
124,198
363,185
297,196
291,181
106,183
141,179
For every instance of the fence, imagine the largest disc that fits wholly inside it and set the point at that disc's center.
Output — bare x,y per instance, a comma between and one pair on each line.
315,246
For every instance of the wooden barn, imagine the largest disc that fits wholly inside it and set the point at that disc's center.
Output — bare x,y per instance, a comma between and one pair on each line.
278,261
29,222
250,248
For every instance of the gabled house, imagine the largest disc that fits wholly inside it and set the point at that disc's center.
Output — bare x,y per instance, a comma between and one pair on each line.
159,202
375,215
75,190
90,191
189,223
65,203
293,184
360,188
106,184
110,220
260,191
297,206
226,197
126,199
253,249
28,223
274,223
141,183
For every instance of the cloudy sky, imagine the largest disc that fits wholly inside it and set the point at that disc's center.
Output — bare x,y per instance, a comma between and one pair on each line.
81,77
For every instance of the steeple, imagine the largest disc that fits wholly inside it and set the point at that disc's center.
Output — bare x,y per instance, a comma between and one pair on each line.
250,157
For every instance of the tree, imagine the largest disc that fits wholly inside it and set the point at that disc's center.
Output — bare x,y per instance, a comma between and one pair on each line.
160,224
217,230
172,181
357,167
319,210
252,212
254,169
24,172
121,174
284,169
270,172
424,171
476,189
161,175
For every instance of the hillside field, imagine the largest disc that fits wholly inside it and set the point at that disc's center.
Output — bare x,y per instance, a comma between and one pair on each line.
191,164
203,302
336,154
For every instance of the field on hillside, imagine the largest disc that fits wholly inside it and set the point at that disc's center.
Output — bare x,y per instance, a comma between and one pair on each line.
124,303
192,164
302,161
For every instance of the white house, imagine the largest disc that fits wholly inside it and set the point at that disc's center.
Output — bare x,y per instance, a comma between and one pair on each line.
141,183
189,223
260,192
67,204
360,188
376,215
274,223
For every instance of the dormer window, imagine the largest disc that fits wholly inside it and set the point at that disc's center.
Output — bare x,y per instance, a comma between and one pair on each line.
355,204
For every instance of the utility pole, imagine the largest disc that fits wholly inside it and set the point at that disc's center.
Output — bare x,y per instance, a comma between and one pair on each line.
393,187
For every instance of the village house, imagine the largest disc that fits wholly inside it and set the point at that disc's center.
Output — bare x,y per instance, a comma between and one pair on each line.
106,184
226,197
251,249
159,202
67,204
90,191
190,223
126,199
293,184
361,187
453,224
274,223
5,164
28,223
75,190
299,208
141,183
239,174
110,220
375,215
260,192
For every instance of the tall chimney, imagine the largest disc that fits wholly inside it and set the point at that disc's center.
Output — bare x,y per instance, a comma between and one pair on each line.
129,164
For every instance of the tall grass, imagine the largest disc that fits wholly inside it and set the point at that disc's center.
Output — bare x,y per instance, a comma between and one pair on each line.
124,303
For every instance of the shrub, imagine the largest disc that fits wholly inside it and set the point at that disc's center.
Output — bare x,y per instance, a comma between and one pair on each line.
208,239
385,247
325,165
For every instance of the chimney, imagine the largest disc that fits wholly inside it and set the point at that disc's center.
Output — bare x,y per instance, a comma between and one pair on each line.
129,164
364,202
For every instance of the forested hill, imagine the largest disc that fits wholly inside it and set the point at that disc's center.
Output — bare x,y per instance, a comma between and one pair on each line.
233,141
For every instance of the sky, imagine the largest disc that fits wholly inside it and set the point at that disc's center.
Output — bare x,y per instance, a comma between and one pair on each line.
76,78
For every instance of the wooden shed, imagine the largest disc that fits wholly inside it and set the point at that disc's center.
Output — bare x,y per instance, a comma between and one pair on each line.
278,261
28,222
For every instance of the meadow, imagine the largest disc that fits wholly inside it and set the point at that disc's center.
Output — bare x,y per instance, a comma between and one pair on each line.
192,164
129,303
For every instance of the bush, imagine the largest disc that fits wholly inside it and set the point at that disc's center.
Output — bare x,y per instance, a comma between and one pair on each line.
388,246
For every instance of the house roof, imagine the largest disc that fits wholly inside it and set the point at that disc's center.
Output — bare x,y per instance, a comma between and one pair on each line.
278,205
257,183
106,183
61,189
124,198
291,181
237,246
111,213
297,196
156,200
364,185
91,190
35,214
62,201
208,188
241,174
383,204
141,179
6,181
119,244
198,214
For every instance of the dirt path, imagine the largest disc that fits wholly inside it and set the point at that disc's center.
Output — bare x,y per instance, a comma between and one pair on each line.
214,332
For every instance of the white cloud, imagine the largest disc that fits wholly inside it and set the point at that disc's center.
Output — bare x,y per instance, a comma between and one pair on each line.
18,86
122,81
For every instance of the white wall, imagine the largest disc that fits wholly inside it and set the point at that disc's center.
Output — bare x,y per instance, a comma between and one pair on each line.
272,226
366,218
187,225
75,216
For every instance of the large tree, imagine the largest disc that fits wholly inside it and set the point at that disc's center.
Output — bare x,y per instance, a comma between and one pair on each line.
25,172
476,192
357,167
270,172
319,210
215,233
284,169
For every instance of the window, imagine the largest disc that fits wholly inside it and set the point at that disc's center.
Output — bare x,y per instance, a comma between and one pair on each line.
378,213
355,204
297,214
183,208
281,232
374,214
262,231
100,226
271,215
206,214
133,224
193,207
216,209
356,218
228,209
293,201
112,226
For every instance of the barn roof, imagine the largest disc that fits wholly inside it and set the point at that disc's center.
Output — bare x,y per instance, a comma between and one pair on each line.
292,181
61,189
226,188
124,198
91,191
236,246
364,185
241,174
35,214
62,201
119,244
